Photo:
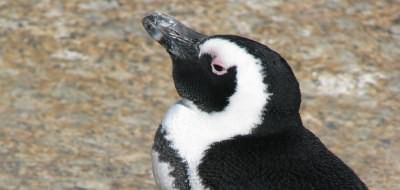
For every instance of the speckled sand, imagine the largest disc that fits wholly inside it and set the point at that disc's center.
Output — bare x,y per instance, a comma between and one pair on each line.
83,88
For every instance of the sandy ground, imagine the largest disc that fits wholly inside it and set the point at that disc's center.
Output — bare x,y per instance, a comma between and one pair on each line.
83,88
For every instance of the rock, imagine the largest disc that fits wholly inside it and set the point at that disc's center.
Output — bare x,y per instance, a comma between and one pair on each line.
69,55
331,125
92,185
70,94
99,5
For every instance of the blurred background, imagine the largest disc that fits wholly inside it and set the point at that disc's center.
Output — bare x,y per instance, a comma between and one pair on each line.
83,88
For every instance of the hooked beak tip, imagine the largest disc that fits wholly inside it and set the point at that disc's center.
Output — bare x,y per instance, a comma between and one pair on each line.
158,24
176,37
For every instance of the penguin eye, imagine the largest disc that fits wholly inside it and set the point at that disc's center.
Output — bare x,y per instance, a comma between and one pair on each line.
218,69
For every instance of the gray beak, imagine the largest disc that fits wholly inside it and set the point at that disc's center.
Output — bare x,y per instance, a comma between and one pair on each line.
178,39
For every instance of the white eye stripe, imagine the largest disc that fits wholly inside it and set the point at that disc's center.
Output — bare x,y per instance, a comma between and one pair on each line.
225,51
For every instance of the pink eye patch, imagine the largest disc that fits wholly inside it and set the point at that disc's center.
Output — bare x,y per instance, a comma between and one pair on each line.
218,67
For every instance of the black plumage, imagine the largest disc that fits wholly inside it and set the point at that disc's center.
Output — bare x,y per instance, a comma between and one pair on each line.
278,154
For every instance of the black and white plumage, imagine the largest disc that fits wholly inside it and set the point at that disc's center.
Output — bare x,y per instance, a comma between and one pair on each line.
238,124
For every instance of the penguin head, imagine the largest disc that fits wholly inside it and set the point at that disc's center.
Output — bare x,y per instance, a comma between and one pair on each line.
215,72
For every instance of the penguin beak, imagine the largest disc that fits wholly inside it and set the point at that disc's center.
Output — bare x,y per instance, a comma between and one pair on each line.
178,39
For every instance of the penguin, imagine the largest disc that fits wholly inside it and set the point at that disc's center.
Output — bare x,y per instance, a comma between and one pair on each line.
237,125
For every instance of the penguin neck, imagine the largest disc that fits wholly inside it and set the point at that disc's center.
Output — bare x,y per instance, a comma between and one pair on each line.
276,122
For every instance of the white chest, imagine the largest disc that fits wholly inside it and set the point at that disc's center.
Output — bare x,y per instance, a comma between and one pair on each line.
191,132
